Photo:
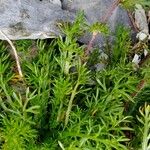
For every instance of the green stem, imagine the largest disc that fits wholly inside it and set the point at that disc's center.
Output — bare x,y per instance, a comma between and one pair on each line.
146,129
5,91
59,111
70,103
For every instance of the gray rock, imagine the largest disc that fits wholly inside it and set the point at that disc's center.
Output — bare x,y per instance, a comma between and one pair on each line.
141,19
95,11
31,19
37,19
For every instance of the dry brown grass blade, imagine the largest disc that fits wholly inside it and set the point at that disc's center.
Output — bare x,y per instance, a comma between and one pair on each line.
15,54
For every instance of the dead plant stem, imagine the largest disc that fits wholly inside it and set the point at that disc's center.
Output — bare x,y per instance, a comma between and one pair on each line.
104,20
15,53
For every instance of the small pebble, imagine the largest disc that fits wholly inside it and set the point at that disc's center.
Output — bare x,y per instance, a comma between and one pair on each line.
136,59
142,36
57,2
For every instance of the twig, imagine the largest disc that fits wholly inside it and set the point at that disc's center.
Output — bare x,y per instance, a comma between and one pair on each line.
132,21
139,87
15,53
143,61
111,9
87,52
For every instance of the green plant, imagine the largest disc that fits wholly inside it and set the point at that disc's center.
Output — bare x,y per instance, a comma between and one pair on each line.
39,74
61,103
15,133
99,28
128,4
16,120
144,119
70,58
121,46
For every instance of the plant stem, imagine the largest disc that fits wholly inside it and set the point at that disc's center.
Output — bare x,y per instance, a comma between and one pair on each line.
15,54
146,129
59,111
70,103
140,86
111,9
87,51
104,19
132,21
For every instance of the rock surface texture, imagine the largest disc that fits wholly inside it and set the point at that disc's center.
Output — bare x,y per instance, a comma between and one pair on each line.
34,19
99,10
31,19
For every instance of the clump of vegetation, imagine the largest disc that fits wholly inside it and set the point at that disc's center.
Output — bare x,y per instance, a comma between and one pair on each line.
62,104
130,4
